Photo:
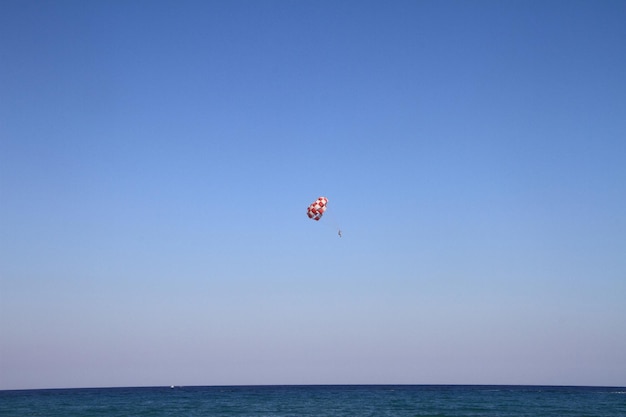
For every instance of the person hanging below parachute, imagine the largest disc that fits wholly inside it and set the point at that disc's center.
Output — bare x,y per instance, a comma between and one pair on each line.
316,210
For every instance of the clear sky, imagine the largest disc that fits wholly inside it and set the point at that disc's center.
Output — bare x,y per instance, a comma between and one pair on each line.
157,159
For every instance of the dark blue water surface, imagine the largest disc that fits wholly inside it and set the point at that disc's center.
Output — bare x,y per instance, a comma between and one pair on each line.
322,400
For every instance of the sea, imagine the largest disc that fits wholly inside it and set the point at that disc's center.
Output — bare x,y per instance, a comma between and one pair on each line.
320,400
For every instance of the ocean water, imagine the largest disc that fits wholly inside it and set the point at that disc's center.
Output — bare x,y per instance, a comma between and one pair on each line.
320,400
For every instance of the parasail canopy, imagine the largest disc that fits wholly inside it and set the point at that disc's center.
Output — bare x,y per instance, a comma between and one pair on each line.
317,208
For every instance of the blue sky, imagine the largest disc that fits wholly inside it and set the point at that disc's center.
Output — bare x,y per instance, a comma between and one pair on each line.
157,159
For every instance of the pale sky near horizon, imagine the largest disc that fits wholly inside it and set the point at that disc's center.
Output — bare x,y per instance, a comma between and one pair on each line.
157,159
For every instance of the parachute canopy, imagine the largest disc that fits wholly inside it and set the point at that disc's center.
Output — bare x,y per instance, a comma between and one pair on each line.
317,208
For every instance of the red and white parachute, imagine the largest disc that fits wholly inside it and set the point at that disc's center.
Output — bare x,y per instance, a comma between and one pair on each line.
317,208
